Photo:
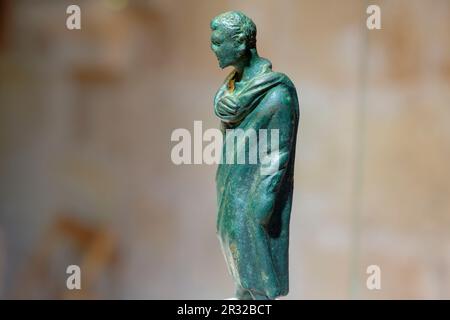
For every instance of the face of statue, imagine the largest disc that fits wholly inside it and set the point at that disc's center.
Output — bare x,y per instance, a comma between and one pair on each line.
229,51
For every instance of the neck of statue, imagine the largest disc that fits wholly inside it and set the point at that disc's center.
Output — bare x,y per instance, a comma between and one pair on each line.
250,66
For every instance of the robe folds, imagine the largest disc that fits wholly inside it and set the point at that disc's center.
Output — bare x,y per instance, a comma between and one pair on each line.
254,207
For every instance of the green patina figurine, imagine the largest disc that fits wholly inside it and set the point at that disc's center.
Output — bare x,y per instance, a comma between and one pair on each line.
254,205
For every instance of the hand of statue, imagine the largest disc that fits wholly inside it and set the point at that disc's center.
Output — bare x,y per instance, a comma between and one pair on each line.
227,106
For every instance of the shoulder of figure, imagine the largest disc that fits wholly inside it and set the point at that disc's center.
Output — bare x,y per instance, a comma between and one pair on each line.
281,94
282,100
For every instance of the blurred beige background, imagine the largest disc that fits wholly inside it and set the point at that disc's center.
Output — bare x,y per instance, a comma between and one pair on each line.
86,175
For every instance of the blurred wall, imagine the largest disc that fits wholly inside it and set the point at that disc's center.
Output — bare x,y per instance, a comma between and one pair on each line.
86,118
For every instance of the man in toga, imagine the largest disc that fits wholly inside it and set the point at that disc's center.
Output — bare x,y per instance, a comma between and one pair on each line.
254,205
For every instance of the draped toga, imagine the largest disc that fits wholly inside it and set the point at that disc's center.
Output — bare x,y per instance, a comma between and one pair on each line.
254,207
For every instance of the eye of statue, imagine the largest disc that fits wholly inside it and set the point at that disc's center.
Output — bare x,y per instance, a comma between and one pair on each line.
216,39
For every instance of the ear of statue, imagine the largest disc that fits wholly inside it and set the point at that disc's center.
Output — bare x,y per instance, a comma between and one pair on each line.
240,40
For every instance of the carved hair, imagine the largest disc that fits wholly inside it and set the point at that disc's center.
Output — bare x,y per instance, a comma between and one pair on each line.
239,24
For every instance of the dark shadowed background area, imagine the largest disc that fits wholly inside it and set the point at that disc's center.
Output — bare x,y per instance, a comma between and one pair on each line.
86,176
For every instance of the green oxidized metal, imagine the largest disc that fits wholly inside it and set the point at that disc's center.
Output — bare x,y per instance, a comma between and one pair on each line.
254,205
